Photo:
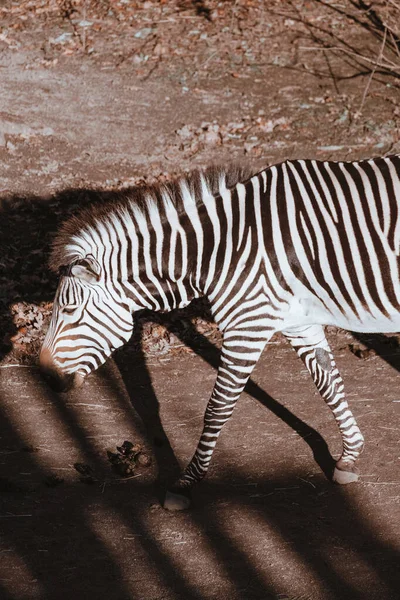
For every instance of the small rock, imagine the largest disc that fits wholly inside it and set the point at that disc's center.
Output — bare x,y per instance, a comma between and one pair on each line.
185,132
61,39
212,138
10,147
143,33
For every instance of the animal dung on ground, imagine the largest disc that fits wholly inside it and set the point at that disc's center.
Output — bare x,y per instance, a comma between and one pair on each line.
128,458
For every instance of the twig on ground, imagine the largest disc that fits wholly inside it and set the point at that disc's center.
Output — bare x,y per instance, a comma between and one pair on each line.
370,78
328,62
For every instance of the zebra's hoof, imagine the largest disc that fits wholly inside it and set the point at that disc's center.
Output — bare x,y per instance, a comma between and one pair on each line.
343,477
177,500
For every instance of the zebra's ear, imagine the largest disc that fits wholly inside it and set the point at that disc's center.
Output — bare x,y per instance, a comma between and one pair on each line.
87,269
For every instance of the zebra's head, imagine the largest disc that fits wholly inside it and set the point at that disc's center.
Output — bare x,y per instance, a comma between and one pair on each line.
91,318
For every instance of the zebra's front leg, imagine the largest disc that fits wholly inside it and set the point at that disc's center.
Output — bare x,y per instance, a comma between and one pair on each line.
312,347
238,358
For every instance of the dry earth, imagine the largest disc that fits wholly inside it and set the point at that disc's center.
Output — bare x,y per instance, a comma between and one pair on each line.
98,95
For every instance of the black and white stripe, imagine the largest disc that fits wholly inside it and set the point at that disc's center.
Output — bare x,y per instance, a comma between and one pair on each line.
295,247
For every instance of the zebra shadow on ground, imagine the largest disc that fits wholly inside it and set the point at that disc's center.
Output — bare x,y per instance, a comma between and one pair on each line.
27,228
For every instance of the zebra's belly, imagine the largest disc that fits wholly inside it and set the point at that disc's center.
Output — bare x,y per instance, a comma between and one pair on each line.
372,324
310,311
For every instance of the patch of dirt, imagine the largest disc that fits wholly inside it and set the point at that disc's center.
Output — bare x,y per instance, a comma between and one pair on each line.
104,94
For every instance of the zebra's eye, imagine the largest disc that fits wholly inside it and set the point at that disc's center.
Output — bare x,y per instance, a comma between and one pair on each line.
69,310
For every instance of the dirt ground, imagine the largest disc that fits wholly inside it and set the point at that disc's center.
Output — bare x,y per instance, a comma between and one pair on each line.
98,95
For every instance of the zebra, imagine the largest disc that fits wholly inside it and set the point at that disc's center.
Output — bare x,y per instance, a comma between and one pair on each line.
292,248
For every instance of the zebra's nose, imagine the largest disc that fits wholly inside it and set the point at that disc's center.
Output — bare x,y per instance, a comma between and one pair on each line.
58,381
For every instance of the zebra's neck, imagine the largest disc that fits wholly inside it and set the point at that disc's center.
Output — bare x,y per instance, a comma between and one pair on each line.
181,254
172,251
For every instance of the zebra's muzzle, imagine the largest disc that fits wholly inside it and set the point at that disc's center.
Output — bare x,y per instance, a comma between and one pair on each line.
58,381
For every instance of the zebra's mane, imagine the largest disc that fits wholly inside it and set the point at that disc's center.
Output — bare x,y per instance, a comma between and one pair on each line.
143,198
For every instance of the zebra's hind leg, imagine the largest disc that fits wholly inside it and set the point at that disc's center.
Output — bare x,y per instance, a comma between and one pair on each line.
312,347
239,356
